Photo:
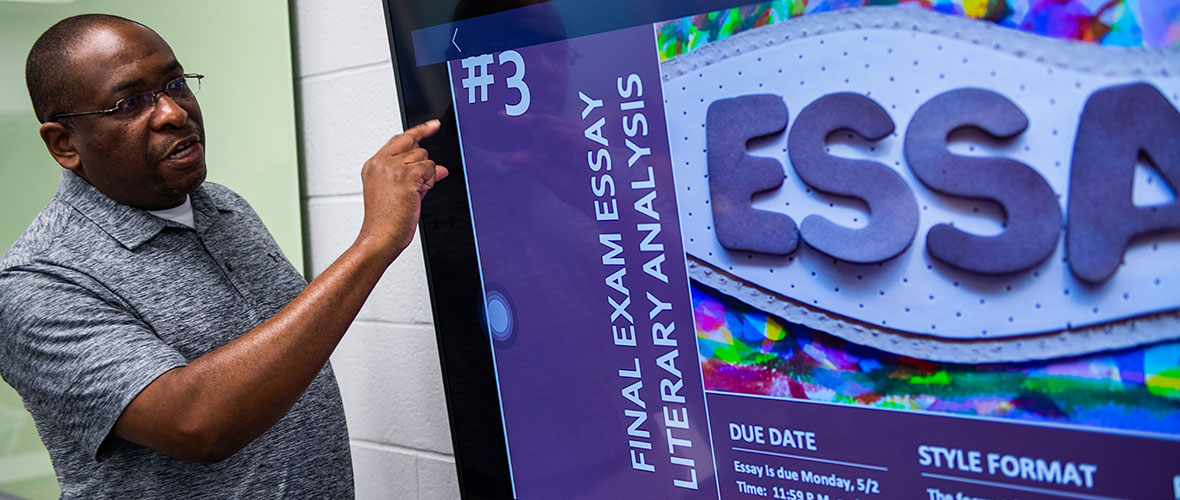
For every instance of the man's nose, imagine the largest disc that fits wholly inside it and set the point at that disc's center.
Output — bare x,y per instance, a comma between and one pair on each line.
168,112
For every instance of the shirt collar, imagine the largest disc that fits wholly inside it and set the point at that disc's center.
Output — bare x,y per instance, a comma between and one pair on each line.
205,209
130,226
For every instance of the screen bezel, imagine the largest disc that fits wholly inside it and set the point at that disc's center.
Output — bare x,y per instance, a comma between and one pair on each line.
472,398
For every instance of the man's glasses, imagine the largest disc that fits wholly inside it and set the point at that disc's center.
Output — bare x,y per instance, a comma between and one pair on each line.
183,90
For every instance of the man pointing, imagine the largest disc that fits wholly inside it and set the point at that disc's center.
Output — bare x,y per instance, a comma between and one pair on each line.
163,344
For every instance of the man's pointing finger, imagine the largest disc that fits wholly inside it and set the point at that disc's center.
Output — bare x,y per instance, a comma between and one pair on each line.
423,130
409,139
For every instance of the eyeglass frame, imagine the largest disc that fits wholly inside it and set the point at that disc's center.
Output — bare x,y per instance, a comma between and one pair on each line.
155,96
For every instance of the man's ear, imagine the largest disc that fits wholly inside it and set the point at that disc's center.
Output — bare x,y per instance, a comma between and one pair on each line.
59,140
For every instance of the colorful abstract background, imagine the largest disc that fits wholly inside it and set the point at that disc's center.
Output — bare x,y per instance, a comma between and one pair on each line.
744,350
1127,23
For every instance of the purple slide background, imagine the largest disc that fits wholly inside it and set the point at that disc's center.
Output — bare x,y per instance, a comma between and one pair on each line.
533,210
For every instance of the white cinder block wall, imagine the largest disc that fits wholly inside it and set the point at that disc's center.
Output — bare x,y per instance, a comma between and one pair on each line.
387,364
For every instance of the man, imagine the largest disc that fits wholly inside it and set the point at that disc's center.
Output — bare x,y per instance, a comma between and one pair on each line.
164,346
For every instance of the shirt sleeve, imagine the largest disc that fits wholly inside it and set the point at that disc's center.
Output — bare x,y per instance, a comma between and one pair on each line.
75,352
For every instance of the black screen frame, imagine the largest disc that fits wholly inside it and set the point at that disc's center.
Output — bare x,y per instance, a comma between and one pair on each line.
448,244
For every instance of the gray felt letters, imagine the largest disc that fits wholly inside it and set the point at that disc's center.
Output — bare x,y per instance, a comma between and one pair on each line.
1033,217
1119,126
892,208
734,176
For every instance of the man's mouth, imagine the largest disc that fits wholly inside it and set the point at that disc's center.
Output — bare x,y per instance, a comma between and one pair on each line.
184,148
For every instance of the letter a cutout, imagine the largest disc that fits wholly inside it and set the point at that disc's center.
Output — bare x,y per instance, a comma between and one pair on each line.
1119,125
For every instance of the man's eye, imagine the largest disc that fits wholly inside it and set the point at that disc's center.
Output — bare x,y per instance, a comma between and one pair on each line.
132,105
177,85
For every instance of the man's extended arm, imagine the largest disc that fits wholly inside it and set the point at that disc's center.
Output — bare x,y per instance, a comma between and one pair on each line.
220,402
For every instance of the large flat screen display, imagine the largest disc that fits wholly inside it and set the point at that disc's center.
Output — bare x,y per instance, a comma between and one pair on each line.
804,250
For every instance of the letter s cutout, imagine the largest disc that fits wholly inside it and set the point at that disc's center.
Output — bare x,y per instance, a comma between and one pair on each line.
1033,216
893,211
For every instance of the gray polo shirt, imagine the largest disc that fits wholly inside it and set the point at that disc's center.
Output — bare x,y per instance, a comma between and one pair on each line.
97,299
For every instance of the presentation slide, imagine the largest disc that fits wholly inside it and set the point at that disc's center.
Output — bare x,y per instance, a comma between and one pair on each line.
880,252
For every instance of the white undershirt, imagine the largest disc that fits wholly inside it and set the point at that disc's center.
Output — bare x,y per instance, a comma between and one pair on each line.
182,214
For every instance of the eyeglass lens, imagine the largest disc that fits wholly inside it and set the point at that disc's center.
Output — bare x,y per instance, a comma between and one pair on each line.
179,90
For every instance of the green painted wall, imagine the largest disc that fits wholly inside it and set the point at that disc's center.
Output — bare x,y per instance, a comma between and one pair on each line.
243,48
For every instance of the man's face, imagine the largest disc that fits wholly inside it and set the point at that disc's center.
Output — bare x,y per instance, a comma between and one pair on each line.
151,161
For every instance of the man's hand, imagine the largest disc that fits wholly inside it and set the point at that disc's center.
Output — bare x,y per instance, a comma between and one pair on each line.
220,402
395,180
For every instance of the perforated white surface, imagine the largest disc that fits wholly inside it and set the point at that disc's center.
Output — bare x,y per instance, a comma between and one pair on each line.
901,61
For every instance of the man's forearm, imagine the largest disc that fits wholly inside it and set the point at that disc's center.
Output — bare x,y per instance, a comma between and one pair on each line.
220,402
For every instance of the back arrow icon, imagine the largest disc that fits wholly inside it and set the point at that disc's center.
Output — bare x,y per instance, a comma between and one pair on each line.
453,39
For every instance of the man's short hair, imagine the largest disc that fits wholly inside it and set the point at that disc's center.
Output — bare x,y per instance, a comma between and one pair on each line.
47,68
